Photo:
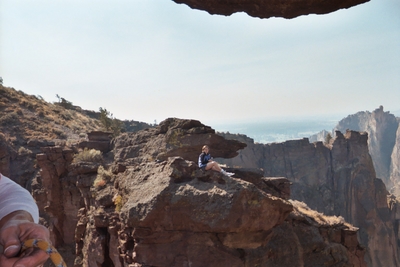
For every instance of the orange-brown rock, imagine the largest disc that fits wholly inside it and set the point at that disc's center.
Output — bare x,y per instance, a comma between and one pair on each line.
169,213
338,179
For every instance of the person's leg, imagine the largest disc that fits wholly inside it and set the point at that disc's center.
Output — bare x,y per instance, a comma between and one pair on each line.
213,166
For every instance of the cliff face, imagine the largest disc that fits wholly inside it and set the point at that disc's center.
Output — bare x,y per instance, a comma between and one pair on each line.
144,205
395,163
337,180
137,199
382,128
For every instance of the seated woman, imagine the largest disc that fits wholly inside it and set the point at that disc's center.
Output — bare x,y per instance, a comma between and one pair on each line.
206,162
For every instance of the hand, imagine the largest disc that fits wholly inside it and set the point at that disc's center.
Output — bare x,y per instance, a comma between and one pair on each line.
15,228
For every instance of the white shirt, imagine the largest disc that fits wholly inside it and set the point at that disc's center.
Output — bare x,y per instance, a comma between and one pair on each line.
13,197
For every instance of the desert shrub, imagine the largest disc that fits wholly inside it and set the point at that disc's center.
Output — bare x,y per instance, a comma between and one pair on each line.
110,123
89,155
40,112
64,103
102,178
66,115
99,183
105,174
27,104
57,131
24,151
9,118
117,199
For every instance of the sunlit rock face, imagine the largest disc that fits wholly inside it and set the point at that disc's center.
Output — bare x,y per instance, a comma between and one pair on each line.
155,207
272,8
337,179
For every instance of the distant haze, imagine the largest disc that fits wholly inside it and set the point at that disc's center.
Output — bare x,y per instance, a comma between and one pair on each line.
147,60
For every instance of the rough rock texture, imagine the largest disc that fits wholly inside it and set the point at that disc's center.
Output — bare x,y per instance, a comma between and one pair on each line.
154,210
97,140
57,196
381,127
5,156
395,163
337,180
271,8
173,137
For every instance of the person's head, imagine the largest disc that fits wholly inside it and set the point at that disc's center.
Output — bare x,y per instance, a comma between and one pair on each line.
205,149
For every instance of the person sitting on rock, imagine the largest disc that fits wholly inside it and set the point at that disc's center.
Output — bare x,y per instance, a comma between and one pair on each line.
206,162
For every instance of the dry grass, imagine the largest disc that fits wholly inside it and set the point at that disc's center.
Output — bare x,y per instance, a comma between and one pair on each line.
102,178
118,202
89,155
28,116
99,183
303,210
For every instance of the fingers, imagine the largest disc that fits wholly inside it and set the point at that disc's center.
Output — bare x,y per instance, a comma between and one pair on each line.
6,262
12,250
11,236
10,240
31,257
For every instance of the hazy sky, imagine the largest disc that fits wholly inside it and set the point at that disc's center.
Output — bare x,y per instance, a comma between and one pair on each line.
149,60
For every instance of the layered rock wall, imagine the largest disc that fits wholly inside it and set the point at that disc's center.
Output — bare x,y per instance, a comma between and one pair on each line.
382,128
395,163
337,180
153,210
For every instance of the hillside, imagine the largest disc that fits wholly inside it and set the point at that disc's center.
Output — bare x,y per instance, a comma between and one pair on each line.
28,122
28,117
142,201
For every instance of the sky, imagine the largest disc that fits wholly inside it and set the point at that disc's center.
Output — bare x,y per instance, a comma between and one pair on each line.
148,60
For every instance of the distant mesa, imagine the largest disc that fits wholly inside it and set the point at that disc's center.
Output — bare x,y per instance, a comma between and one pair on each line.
267,9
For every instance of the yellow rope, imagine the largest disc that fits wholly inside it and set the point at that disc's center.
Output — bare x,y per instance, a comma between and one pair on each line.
49,249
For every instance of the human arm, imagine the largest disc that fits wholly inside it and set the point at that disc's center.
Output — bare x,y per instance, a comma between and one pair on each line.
13,197
203,159
18,222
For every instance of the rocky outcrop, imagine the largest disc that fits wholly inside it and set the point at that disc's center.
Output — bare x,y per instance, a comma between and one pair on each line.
381,127
173,137
97,140
211,220
149,207
5,156
395,164
338,179
266,9
58,197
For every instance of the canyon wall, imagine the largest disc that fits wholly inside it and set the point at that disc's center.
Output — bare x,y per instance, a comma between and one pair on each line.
146,203
336,179
382,128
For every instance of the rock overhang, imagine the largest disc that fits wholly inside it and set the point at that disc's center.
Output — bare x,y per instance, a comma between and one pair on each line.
273,8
